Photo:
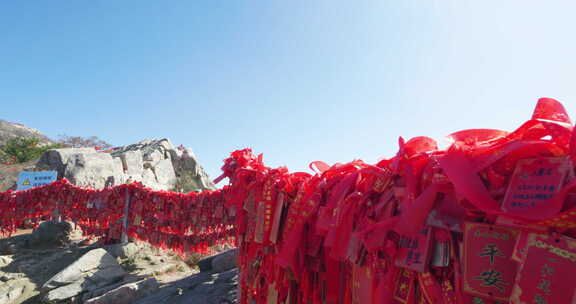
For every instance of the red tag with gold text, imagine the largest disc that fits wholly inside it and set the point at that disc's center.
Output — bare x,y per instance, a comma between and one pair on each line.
546,276
404,289
414,251
533,185
431,289
488,270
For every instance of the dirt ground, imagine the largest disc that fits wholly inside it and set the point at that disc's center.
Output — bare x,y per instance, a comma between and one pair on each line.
29,268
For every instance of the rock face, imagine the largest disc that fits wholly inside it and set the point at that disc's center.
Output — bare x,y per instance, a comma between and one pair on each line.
95,269
220,262
225,261
203,288
127,293
9,294
155,163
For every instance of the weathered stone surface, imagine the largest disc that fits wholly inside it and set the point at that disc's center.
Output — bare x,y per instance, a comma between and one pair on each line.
103,290
51,234
93,170
203,288
149,179
184,162
56,159
124,251
164,172
155,163
132,163
128,293
93,270
5,260
225,261
153,157
8,294
205,264
64,292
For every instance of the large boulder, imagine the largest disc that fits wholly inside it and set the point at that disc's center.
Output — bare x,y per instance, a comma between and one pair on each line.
155,163
220,262
57,159
93,170
95,269
51,234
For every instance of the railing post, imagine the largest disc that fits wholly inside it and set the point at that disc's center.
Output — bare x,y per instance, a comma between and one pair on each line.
124,238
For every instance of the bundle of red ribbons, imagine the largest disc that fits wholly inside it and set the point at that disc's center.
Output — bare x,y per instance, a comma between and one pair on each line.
191,222
490,219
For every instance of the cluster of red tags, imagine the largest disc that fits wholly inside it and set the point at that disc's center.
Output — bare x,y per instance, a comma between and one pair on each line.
192,222
490,219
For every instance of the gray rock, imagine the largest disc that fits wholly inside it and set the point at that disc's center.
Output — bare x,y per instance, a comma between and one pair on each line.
8,294
95,269
164,172
202,288
154,157
132,163
225,261
103,290
51,234
205,264
56,159
155,163
5,260
184,162
124,251
64,292
149,179
128,293
93,170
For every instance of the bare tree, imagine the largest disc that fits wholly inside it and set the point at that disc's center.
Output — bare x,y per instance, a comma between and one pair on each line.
83,142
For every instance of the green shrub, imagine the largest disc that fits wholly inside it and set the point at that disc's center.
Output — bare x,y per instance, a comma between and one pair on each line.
21,149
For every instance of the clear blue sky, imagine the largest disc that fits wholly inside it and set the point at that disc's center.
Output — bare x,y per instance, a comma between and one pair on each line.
297,80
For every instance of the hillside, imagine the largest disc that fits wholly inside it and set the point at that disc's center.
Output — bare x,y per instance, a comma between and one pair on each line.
10,130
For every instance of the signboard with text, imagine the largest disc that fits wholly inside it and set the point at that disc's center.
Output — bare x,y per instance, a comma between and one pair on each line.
27,180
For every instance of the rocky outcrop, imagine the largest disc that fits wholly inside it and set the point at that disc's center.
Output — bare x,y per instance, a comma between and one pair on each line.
202,288
155,163
220,262
94,270
158,155
225,261
127,293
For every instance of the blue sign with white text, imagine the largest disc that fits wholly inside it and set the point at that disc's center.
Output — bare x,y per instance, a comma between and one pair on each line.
27,180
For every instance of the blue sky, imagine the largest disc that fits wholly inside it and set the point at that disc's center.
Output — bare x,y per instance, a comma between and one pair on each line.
297,80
